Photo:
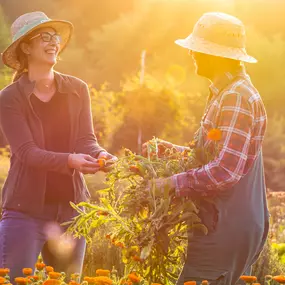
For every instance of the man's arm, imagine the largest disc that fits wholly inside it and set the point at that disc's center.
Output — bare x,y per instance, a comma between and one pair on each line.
227,169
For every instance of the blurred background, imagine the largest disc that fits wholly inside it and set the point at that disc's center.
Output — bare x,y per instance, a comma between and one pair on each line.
109,39
131,101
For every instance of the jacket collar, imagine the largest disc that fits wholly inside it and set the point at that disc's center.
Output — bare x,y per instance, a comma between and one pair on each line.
63,85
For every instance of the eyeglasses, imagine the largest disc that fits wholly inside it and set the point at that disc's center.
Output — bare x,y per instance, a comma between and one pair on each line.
47,37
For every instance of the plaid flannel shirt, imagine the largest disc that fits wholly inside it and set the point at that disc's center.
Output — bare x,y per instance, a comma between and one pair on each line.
236,109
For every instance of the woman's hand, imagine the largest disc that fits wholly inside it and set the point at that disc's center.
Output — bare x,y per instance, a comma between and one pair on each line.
106,161
83,163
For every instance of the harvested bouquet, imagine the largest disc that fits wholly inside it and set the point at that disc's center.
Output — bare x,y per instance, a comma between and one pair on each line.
150,226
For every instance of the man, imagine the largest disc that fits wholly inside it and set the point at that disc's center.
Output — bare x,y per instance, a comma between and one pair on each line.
237,219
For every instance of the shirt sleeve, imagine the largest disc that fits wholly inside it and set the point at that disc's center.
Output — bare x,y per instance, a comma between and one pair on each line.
86,141
236,120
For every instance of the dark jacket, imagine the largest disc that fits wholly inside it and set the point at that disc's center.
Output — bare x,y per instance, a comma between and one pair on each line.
24,188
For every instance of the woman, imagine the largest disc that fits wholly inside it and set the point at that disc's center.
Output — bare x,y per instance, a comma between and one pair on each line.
46,118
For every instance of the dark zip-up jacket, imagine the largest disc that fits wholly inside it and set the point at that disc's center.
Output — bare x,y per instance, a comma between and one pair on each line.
24,188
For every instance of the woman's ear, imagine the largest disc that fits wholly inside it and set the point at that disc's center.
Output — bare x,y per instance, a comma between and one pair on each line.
25,48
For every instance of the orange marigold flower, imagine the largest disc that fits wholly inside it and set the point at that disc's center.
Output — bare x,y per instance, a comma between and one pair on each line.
108,236
156,284
248,279
54,275
119,244
280,279
214,135
190,283
134,278
52,282
102,162
102,280
2,280
21,280
27,271
135,169
87,279
4,271
34,277
256,284
102,272
136,258
49,269
40,265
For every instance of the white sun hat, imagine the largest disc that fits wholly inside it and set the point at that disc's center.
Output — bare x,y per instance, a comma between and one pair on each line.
28,23
218,34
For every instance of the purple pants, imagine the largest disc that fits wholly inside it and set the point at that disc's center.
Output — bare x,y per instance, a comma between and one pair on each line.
24,237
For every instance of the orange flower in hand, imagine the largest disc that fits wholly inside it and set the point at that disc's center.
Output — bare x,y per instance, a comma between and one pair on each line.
248,279
214,135
27,271
102,162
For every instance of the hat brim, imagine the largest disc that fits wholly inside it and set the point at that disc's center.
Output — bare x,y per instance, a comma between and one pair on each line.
203,46
64,28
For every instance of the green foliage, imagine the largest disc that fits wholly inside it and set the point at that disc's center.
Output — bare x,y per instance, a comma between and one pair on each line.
150,224
268,264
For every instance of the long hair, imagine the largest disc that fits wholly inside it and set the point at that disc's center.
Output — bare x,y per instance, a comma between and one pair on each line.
22,58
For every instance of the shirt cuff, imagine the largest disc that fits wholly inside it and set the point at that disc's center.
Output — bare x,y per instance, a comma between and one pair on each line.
182,184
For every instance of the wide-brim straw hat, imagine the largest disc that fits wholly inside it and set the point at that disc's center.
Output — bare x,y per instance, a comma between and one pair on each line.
26,24
218,34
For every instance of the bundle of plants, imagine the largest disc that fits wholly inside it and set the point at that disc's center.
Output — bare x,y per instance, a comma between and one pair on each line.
150,225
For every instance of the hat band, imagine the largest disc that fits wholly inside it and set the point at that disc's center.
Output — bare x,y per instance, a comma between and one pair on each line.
26,28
